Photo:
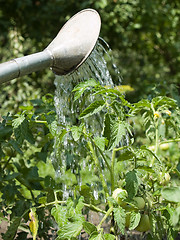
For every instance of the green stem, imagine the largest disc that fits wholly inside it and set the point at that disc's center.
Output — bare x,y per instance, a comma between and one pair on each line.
51,203
113,164
157,139
105,217
169,141
112,169
96,209
96,161
40,121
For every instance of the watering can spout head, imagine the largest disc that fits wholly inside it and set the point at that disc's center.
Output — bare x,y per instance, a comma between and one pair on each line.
75,41
69,49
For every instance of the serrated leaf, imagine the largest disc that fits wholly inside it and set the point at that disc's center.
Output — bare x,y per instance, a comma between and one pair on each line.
101,142
141,105
163,100
81,87
22,132
171,194
60,214
134,220
89,228
79,205
69,230
18,121
114,130
93,108
76,132
120,218
12,229
132,183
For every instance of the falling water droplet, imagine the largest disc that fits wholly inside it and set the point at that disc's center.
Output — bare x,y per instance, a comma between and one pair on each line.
67,111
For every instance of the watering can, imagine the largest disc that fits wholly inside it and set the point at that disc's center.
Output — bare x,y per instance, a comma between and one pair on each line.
68,50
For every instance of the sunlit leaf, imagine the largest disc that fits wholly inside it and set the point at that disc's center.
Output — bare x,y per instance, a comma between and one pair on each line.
93,108
34,224
120,218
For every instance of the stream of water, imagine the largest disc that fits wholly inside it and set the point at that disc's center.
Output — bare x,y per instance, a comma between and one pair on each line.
66,155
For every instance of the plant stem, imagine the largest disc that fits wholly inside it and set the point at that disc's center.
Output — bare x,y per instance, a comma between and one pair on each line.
157,138
96,161
112,169
169,141
105,216
92,207
51,203
113,164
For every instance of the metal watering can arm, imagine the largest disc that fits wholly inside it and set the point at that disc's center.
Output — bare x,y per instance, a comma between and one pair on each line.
25,65
64,54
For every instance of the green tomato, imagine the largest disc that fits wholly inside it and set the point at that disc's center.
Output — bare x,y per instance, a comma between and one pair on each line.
144,224
119,195
139,202
9,151
164,146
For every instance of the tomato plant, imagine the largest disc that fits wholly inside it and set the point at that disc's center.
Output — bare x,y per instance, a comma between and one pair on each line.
117,171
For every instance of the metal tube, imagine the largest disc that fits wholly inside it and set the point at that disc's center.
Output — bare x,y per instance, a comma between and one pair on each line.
25,65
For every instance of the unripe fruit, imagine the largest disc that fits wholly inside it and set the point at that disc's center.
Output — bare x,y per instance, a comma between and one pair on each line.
144,224
119,195
164,146
139,202
9,151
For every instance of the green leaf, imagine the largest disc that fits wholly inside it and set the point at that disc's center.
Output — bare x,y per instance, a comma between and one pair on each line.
52,124
5,131
175,218
12,229
134,220
70,230
89,228
132,183
34,223
81,87
93,108
79,205
15,145
96,236
60,214
126,155
101,142
18,121
77,132
166,101
171,194
114,130
22,131
120,218
108,236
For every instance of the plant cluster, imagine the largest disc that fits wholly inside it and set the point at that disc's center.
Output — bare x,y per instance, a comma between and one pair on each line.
128,176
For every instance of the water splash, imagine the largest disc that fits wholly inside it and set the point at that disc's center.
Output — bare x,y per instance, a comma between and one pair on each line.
66,154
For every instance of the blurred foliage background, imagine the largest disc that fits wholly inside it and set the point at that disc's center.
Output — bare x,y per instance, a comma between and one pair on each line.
143,34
